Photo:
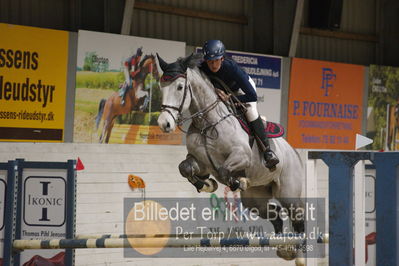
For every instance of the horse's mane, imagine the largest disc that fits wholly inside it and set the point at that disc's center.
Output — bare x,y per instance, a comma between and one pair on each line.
194,60
147,56
193,63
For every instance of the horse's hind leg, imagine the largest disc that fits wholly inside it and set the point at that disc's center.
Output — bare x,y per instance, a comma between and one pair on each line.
298,219
296,214
190,168
109,130
106,132
103,132
289,195
259,198
237,161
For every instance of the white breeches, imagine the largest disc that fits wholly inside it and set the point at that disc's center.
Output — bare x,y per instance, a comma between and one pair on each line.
252,109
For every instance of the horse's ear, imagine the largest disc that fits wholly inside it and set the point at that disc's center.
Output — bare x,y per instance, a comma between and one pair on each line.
162,63
187,60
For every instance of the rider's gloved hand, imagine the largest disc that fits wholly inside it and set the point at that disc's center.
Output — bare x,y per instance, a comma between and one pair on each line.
225,97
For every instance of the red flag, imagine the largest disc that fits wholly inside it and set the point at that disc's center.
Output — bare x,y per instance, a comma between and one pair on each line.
79,165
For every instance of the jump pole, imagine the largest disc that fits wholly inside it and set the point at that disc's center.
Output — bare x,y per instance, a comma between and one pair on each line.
156,242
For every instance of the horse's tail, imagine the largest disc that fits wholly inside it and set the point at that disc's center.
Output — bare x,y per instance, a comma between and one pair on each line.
100,112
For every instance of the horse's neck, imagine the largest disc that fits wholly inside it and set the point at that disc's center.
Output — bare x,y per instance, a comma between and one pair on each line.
140,77
204,95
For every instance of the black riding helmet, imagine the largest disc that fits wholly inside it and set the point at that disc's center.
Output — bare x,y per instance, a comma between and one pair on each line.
213,49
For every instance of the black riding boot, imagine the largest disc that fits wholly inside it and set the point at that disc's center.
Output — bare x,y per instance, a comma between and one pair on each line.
259,130
122,93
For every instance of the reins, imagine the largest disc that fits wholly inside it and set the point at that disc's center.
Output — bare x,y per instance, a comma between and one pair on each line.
180,120
200,115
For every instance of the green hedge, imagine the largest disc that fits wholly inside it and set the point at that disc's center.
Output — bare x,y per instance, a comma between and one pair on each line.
97,80
139,118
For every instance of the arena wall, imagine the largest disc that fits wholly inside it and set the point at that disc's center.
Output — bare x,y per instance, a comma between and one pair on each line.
102,186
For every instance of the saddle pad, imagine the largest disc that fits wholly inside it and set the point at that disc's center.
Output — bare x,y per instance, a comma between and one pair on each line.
273,130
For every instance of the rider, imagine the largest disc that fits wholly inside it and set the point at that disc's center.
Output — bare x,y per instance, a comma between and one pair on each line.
131,68
227,70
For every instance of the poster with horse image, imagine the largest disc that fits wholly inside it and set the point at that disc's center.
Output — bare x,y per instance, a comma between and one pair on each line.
118,97
383,108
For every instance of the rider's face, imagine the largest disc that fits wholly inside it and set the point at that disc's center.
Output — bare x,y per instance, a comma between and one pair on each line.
215,65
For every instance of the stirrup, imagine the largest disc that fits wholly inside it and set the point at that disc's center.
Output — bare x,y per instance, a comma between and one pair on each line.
272,161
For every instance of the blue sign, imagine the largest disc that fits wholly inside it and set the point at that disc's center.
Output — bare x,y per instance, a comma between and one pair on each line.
264,70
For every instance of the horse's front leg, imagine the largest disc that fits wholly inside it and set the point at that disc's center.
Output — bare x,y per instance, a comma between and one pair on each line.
238,160
190,168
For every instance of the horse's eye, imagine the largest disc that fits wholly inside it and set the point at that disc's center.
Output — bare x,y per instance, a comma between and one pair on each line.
180,87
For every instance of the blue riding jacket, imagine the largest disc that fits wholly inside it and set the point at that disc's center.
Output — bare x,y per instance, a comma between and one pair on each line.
234,77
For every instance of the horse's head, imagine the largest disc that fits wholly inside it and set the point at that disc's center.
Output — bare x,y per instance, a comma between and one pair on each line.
176,94
148,65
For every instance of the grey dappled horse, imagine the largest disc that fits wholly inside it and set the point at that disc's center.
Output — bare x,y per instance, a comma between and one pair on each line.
218,146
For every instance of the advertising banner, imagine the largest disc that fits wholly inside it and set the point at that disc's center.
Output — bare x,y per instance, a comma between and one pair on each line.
43,208
118,96
3,187
33,74
383,107
217,228
265,70
325,104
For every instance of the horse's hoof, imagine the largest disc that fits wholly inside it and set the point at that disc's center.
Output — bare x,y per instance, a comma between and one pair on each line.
244,183
272,169
287,252
210,186
300,262
234,184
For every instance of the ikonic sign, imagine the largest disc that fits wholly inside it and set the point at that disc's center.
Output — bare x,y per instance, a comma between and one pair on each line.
44,201
44,206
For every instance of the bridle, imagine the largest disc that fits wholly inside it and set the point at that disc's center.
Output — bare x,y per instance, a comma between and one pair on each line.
174,71
197,115
180,120
164,107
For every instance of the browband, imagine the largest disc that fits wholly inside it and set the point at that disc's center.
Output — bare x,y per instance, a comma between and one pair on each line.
172,77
